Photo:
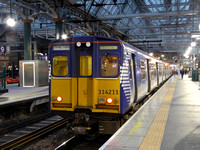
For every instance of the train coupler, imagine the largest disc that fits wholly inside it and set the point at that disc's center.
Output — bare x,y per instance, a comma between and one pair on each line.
81,130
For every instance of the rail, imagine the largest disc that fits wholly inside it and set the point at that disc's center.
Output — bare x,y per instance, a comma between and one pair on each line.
19,137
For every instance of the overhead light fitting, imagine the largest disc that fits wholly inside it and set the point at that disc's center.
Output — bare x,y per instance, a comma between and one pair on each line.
196,36
189,48
187,53
64,36
193,44
186,56
151,54
11,22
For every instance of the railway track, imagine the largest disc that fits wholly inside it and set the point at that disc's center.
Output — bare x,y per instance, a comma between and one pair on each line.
80,143
67,144
14,138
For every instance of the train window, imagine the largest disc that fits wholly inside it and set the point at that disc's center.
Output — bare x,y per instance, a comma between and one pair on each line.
61,47
60,65
86,65
143,73
160,70
108,47
109,65
130,70
153,71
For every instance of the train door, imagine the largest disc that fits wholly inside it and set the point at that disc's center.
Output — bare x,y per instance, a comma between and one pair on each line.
84,79
148,76
61,83
157,73
132,77
142,89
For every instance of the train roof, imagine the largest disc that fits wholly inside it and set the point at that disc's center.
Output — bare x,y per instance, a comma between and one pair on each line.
79,38
100,38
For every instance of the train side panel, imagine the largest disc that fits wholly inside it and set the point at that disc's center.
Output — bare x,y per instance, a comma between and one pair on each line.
127,79
140,74
142,81
160,72
153,73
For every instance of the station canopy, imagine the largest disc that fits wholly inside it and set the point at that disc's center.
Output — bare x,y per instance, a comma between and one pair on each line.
151,25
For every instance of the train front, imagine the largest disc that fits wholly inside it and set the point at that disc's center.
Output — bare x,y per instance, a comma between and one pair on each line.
85,82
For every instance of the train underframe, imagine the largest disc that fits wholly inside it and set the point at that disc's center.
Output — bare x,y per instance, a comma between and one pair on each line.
85,122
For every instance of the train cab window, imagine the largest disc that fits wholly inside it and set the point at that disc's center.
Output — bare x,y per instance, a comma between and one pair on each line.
109,66
86,65
60,65
143,73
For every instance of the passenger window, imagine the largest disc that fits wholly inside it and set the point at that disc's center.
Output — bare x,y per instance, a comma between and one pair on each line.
142,70
60,65
86,65
109,66
130,70
160,70
153,71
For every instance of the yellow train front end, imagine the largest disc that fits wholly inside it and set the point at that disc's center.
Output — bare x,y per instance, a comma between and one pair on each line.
78,92
98,95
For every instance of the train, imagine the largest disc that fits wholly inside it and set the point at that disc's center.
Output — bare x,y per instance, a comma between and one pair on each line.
96,80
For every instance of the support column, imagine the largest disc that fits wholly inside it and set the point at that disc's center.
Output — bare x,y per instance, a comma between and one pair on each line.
35,49
58,28
27,40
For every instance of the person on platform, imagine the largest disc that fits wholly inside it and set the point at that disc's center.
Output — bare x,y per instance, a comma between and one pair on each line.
182,73
185,71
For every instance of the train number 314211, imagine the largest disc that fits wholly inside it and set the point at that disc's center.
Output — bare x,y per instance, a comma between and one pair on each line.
111,92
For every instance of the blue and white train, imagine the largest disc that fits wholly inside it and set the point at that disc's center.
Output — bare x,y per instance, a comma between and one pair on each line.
95,80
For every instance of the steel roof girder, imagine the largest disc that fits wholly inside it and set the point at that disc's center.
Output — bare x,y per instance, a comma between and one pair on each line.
139,27
144,15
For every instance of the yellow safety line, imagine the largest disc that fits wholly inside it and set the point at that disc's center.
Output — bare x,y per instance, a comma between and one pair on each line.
9,98
154,136
136,128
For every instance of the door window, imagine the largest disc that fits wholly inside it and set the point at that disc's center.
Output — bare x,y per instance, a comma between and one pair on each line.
143,74
86,65
153,71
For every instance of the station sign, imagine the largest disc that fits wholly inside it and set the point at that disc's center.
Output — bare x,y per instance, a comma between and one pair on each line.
3,49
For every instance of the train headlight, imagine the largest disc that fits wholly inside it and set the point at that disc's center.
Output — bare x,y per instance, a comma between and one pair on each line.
109,100
102,101
53,98
59,98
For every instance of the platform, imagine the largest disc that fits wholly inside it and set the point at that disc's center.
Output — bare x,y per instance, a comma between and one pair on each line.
170,120
17,94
